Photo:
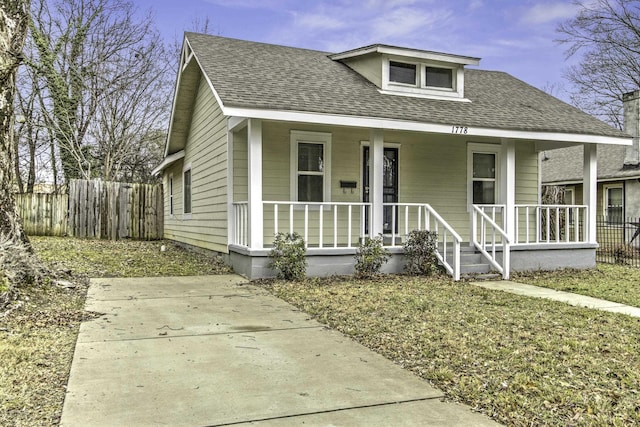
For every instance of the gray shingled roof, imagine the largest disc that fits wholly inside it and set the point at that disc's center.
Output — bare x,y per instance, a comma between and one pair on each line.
264,76
565,164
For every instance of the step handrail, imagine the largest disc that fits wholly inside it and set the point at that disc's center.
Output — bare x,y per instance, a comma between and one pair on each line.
482,245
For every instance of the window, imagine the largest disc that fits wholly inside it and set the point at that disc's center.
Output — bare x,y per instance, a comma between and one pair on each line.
439,77
484,178
400,72
170,185
310,172
186,183
483,173
310,166
614,204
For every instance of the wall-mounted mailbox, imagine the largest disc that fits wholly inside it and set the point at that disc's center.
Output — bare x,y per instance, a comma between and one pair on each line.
348,184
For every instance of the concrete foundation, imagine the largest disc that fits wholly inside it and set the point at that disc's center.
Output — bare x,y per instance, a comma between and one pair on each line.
255,264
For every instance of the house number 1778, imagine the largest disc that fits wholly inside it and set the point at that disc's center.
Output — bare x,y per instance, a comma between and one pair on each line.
459,129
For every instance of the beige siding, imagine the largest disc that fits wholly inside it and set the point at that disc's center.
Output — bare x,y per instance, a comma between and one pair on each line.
370,67
206,152
527,187
240,166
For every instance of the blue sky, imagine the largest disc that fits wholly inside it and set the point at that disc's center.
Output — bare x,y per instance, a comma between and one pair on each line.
516,36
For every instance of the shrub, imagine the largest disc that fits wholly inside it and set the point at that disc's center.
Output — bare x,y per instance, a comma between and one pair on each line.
370,257
622,252
420,252
288,256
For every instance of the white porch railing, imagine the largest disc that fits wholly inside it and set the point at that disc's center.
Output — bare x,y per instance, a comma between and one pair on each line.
240,219
537,224
488,236
406,217
343,225
322,225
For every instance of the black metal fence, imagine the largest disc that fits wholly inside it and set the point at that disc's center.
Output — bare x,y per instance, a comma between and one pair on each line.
619,241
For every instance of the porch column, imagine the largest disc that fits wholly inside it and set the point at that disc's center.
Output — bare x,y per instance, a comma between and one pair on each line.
590,188
376,175
509,187
254,155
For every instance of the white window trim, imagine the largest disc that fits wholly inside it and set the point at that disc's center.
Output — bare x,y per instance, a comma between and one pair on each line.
472,148
171,198
298,137
605,200
420,88
187,215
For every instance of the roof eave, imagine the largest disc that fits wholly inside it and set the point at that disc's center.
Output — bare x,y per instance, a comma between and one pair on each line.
168,161
395,124
406,52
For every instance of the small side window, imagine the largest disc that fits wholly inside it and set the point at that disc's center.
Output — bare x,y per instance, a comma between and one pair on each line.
170,185
186,179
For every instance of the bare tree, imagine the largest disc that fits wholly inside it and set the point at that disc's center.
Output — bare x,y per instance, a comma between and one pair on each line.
13,25
105,80
607,34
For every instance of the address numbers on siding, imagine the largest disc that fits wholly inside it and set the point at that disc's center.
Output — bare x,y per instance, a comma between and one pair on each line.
460,130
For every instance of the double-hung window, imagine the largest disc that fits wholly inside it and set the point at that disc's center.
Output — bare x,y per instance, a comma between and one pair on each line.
170,185
186,189
310,166
614,203
483,167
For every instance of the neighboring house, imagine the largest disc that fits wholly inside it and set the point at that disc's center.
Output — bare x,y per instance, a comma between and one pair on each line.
618,189
377,140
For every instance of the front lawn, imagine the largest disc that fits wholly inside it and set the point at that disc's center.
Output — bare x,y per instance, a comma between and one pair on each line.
617,283
523,361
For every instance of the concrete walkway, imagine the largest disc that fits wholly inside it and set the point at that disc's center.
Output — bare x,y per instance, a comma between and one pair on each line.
211,351
566,297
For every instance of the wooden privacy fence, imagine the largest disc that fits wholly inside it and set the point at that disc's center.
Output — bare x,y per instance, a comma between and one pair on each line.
43,214
96,209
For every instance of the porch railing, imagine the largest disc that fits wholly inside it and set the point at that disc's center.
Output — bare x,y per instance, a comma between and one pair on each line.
240,224
488,237
537,224
418,216
322,225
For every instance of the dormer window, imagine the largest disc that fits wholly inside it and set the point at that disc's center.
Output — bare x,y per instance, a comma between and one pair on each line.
410,72
439,77
399,72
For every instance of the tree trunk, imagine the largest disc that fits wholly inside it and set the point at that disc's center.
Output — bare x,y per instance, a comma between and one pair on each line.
13,26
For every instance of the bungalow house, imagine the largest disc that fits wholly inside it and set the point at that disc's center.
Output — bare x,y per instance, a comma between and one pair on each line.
378,140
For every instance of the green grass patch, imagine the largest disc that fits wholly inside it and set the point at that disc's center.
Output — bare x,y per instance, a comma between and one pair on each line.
126,258
617,283
523,361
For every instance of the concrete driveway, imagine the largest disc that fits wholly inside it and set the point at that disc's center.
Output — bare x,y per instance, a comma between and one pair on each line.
213,351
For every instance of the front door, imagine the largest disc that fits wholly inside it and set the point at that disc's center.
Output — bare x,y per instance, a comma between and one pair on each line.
389,183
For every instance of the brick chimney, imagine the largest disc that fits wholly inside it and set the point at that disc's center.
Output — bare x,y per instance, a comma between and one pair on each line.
631,102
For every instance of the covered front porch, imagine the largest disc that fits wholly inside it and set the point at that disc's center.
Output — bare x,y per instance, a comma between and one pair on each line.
514,233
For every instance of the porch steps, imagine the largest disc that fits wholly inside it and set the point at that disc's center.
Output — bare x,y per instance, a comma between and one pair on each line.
473,264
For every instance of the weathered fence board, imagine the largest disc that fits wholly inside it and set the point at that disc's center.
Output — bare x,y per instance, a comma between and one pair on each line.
43,214
96,209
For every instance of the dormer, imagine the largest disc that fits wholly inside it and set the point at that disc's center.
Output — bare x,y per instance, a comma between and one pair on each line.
410,72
